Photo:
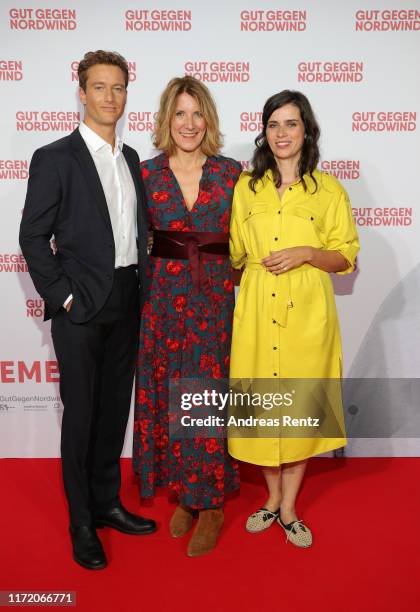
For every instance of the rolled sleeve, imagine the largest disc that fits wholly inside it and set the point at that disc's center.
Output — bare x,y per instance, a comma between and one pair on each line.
341,233
236,246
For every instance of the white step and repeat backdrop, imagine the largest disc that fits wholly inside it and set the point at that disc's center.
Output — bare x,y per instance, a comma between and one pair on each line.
357,61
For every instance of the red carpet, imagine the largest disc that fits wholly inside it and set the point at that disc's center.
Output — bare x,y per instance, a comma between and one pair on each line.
365,557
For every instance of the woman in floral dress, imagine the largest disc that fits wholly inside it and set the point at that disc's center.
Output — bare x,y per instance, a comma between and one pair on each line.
187,317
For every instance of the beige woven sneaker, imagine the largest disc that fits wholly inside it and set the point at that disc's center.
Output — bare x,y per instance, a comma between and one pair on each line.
261,520
297,533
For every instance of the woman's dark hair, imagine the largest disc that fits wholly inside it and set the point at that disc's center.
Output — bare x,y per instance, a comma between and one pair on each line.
263,158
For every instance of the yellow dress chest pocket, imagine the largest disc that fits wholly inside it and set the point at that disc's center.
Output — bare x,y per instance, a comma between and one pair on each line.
258,219
303,226
256,209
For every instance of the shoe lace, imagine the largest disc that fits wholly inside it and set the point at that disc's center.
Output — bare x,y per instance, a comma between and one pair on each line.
294,527
266,516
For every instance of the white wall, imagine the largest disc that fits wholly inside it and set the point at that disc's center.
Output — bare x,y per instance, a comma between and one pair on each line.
383,155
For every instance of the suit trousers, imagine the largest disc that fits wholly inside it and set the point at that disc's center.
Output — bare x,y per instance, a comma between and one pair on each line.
96,362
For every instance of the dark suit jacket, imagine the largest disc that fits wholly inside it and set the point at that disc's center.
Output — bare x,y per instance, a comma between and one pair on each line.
65,198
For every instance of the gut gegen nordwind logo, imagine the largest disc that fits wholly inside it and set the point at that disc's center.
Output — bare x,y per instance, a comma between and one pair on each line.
384,121
11,70
387,20
13,262
42,18
158,20
35,308
343,169
285,20
250,121
225,71
333,71
14,169
142,121
47,120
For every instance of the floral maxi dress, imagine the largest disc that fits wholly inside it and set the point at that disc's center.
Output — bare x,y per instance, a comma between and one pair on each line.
184,334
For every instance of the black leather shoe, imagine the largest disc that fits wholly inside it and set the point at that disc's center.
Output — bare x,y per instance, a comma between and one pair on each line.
120,519
87,548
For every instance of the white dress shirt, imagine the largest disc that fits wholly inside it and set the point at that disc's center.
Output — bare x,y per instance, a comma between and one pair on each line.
120,194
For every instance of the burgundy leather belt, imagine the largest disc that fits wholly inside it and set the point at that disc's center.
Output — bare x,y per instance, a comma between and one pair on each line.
197,247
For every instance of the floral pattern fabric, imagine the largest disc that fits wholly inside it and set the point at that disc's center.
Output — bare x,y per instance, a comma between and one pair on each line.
184,334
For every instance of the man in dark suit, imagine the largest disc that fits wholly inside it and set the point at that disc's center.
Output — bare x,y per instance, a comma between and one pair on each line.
86,190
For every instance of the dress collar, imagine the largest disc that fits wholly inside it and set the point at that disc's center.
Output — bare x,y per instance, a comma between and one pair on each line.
308,180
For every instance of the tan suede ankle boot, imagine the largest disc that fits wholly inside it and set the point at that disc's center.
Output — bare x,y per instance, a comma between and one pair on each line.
206,532
181,521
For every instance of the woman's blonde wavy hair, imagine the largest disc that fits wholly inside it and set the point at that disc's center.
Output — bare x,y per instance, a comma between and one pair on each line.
162,139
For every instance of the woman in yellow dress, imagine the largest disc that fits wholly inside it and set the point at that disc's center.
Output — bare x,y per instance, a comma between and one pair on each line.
291,226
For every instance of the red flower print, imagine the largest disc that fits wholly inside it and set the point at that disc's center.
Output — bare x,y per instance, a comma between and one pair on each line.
219,472
193,478
173,345
176,448
160,372
174,267
229,183
224,221
161,440
147,308
203,325
179,302
204,197
177,225
160,196
144,443
144,426
206,361
211,446
141,396
228,284
216,371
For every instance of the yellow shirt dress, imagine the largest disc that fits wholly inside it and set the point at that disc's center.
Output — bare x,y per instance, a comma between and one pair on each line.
286,326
